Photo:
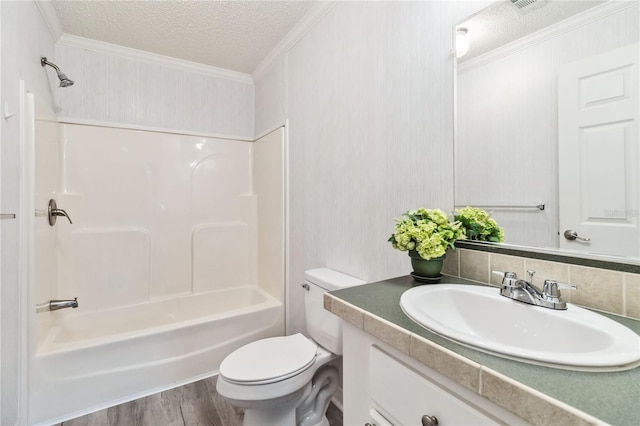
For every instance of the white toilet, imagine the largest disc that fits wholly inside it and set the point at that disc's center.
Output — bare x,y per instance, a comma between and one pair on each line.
286,380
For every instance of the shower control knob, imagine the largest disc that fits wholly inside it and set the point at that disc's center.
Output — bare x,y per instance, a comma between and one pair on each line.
428,420
53,212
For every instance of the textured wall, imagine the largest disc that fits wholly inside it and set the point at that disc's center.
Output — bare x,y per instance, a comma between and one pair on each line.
368,93
271,97
127,90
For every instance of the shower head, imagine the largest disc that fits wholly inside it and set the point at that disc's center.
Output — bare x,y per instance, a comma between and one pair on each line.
64,80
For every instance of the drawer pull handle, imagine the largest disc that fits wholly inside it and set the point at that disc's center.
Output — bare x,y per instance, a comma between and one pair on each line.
429,420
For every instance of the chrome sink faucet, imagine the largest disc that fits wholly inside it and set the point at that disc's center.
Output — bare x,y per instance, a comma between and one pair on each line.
525,292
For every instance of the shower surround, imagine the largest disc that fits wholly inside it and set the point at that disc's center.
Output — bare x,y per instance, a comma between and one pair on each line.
176,255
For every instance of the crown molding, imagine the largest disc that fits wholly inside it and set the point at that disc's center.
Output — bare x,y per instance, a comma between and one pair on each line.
50,18
552,31
153,58
317,12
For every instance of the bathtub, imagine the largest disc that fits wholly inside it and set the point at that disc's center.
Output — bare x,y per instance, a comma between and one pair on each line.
89,361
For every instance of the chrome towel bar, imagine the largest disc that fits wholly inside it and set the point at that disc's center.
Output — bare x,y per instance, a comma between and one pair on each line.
537,207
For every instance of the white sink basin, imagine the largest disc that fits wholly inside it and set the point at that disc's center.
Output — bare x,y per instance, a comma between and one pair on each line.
477,316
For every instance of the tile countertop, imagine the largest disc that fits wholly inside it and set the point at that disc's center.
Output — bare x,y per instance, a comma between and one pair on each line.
539,395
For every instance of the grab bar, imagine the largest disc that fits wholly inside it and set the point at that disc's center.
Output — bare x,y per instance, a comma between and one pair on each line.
7,216
537,207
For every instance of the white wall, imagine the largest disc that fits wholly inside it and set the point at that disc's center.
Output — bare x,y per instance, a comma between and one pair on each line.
368,94
271,97
128,87
508,129
25,37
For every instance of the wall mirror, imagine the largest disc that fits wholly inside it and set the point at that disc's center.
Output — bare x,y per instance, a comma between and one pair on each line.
546,96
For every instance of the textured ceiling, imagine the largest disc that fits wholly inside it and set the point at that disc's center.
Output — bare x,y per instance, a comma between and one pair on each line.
502,23
234,35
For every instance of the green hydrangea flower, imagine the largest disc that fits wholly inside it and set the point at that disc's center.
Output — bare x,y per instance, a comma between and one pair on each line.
479,225
427,231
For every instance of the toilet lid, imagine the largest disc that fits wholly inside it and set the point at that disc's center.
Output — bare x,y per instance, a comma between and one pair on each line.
269,360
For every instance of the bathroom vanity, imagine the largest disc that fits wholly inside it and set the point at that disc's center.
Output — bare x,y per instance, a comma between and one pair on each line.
397,372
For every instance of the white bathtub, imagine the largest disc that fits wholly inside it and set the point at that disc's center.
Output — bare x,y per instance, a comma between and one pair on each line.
88,361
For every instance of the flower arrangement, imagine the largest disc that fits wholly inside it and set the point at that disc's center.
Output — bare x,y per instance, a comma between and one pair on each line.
478,225
429,232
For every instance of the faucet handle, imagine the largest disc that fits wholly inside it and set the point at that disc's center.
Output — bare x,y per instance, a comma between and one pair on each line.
505,274
531,273
552,288
509,279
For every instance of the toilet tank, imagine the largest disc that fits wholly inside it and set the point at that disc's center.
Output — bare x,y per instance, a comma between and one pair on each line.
324,327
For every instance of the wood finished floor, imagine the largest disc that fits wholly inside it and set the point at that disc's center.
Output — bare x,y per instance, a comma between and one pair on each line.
195,404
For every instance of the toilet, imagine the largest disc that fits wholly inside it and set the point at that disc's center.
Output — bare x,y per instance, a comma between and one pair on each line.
288,380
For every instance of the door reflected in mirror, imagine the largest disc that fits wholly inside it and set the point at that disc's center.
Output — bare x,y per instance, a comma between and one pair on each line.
547,114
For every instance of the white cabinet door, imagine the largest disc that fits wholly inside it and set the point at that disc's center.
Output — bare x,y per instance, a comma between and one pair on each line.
598,151
404,396
385,387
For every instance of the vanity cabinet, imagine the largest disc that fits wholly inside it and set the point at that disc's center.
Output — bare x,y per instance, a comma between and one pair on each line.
383,386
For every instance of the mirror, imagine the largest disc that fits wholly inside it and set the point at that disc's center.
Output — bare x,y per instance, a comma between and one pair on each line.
523,149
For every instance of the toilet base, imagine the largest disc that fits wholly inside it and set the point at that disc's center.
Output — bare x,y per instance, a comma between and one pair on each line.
304,407
280,421
265,418
313,408
282,415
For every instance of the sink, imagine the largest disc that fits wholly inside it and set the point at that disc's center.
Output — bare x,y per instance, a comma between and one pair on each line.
477,316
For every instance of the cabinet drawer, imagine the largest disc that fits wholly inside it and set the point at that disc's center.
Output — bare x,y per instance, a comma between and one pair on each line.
404,395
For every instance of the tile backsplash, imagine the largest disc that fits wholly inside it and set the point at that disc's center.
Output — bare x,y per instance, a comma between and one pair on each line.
602,289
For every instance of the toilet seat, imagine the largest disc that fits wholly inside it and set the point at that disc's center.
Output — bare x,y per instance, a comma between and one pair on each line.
269,360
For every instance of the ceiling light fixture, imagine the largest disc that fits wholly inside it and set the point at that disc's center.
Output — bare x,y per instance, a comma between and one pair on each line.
462,42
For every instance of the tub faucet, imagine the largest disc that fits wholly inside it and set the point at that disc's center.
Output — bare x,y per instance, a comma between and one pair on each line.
525,292
54,305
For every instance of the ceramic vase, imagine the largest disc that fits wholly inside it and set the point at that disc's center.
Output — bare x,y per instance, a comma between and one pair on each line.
430,268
